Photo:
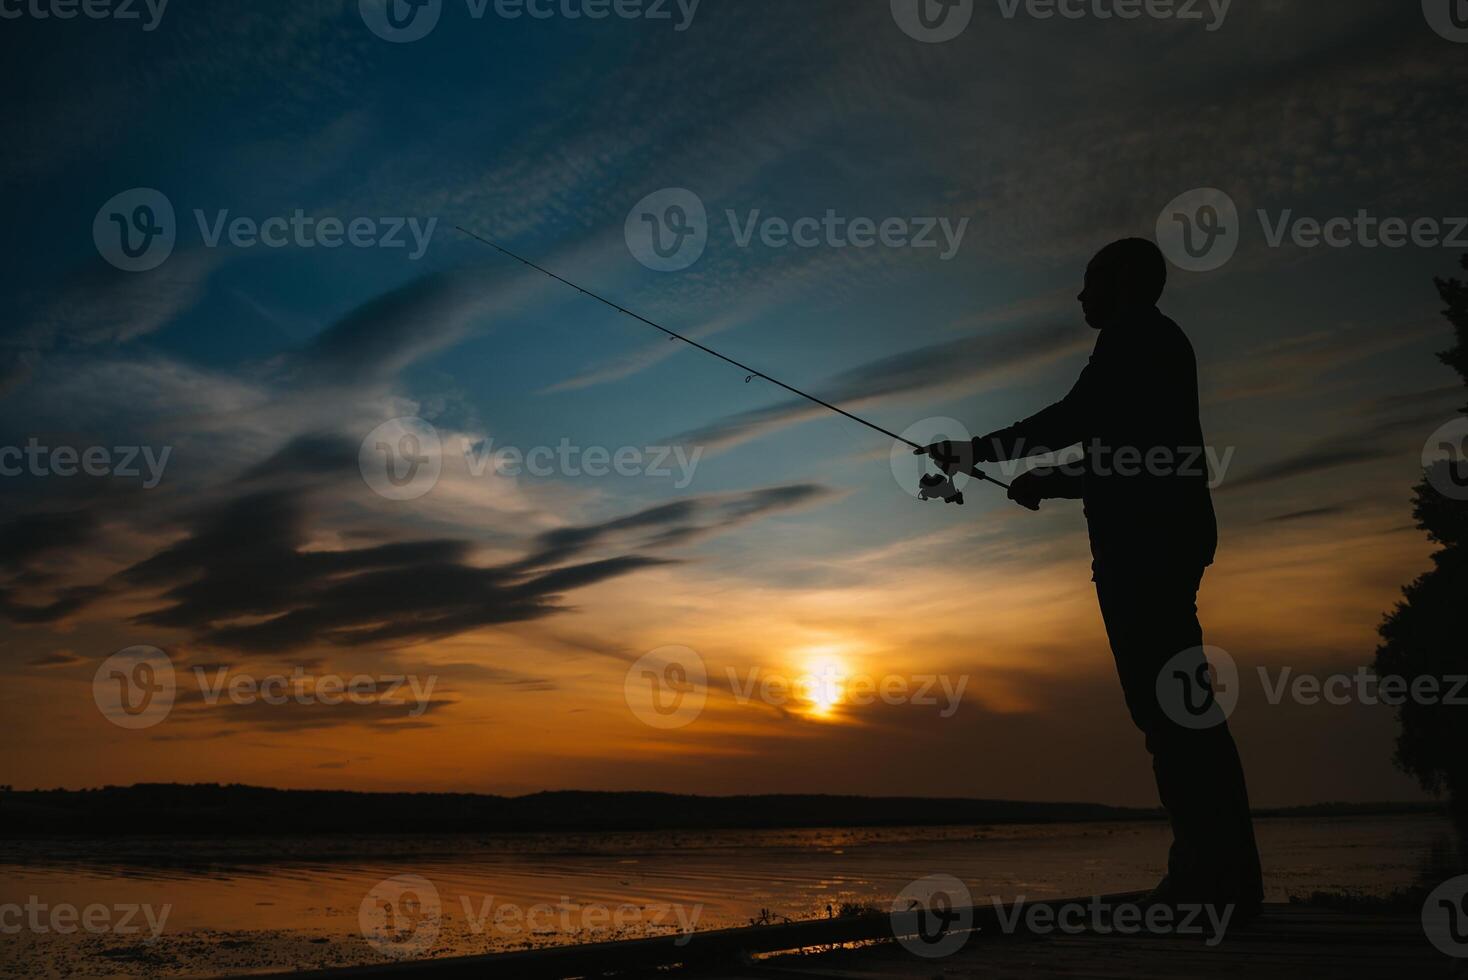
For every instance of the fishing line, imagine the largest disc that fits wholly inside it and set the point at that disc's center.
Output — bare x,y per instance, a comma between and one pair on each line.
750,373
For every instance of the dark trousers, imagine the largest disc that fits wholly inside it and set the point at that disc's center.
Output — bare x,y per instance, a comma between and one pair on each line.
1151,615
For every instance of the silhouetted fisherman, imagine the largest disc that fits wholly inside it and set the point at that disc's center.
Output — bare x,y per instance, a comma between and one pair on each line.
1144,480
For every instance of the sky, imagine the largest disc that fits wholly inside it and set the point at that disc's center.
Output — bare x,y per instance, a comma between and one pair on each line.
235,378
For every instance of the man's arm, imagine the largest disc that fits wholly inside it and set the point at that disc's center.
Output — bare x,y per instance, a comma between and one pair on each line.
1049,430
1058,484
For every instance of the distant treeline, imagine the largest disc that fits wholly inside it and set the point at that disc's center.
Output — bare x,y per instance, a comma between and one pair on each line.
211,810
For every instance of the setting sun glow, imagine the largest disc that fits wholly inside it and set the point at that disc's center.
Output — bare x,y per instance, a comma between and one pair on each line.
823,687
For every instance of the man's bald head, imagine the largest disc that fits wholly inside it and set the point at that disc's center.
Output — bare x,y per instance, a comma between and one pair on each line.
1124,279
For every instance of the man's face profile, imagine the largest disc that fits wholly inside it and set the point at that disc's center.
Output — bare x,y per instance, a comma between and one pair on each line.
1098,299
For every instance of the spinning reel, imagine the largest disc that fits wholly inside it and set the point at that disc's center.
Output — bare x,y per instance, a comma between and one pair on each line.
939,486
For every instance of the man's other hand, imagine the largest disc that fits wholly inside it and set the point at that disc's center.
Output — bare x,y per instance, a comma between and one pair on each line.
1026,491
951,457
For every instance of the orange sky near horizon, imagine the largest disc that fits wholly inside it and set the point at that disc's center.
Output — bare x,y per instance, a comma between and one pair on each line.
1021,647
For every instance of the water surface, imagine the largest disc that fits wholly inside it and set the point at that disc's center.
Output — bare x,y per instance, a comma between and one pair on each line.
244,905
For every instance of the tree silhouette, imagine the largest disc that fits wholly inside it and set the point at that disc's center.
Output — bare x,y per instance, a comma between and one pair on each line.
1423,636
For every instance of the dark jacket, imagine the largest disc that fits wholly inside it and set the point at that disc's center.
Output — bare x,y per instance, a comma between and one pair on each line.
1144,476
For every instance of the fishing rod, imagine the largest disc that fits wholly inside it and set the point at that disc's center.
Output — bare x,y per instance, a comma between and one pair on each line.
932,486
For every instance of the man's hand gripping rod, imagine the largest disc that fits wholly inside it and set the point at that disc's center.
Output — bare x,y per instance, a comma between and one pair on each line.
750,373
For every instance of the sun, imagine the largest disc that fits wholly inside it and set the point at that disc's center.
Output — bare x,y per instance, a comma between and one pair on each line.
824,687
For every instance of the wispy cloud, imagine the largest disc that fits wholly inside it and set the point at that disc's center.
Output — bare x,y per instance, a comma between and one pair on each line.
678,522
55,659
395,329
1307,515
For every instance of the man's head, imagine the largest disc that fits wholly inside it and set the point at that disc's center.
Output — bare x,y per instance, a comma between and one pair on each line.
1124,279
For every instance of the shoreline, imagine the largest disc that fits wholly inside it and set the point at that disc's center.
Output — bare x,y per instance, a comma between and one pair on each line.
144,811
